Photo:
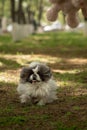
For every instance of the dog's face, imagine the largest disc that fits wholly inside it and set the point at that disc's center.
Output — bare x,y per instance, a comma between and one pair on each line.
37,73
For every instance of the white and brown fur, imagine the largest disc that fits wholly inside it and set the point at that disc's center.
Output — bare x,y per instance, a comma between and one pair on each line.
37,85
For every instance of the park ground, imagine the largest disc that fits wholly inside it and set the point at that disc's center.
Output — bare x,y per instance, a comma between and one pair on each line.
66,54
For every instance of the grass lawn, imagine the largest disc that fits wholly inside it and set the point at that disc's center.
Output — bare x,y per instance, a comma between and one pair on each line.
66,54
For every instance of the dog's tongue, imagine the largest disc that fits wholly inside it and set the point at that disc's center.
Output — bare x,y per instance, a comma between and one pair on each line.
34,81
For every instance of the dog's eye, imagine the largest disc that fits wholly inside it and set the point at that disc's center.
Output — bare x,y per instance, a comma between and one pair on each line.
23,75
39,73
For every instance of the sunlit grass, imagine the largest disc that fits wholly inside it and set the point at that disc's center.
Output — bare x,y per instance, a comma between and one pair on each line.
33,43
65,54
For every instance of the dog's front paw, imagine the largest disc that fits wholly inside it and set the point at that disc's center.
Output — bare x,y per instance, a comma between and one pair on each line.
23,99
41,103
26,102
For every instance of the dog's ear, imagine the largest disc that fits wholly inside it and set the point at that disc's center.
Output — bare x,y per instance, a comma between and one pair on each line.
24,72
45,71
24,75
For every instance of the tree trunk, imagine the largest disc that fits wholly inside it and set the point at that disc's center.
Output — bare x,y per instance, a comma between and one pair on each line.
40,12
85,26
21,16
28,13
84,11
13,10
19,11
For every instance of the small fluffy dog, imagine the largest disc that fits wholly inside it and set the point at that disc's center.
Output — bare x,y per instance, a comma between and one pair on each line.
36,84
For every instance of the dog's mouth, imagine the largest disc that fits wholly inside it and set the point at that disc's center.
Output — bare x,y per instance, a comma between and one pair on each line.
34,81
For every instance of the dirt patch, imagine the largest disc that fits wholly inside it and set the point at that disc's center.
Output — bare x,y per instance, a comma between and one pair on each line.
69,109
66,54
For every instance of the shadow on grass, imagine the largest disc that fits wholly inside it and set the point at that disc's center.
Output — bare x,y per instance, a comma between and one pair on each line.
64,45
8,64
64,64
69,110
80,77
7,84
71,107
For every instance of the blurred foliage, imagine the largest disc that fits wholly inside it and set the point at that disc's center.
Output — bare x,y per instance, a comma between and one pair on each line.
34,5
5,9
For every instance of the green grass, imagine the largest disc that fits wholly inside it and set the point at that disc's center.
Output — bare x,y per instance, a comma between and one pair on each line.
6,121
79,77
66,54
11,64
12,120
65,128
60,126
40,41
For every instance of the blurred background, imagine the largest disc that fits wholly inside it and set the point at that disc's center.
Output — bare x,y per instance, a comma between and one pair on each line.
24,17
26,36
